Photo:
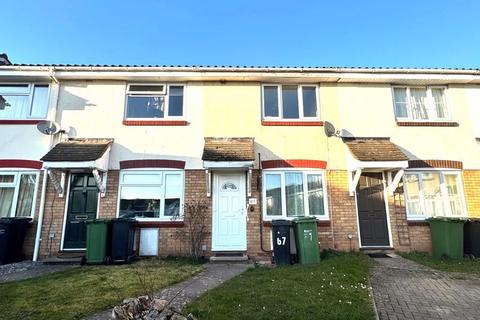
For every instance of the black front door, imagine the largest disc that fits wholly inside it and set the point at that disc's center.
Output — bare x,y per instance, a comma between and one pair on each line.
372,215
82,206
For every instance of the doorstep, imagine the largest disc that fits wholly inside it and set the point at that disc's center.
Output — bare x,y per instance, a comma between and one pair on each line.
227,256
65,257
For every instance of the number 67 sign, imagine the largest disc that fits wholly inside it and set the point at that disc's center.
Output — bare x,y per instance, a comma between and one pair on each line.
281,240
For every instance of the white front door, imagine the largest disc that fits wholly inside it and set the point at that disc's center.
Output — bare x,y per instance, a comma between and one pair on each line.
229,225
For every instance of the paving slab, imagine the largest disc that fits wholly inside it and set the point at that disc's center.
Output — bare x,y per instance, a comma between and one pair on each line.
29,269
404,289
184,292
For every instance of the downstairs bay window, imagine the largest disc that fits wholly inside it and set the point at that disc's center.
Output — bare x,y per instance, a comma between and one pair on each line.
290,194
151,195
18,193
433,194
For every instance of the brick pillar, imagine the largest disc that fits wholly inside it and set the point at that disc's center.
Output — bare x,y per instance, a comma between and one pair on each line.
343,212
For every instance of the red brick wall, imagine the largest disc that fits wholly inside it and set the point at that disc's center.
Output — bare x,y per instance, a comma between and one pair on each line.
174,240
53,220
343,214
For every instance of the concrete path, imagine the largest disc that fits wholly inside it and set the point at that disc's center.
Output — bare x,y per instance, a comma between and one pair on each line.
404,289
182,293
28,269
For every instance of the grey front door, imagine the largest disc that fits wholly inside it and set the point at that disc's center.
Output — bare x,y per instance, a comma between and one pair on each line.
372,214
82,207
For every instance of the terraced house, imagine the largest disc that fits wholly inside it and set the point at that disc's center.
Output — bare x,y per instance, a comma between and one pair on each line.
249,142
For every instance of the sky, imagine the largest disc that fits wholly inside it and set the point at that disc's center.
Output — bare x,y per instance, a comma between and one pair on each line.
388,33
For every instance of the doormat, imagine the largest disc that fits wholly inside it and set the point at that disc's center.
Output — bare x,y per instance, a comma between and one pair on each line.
378,255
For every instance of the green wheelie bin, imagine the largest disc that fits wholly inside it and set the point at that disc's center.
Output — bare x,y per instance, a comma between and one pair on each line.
98,241
306,238
447,237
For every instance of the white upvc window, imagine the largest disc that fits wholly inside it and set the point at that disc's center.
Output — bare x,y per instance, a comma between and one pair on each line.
155,101
294,193
150,195
18,192
420,103
23,101
290,102
433,193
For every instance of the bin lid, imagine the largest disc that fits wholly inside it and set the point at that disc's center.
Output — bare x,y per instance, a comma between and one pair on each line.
281,222
99,221
446,219
304,219
15,220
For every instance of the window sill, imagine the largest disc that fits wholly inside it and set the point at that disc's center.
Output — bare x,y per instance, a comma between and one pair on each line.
32,122
427,124
292,123
155,123
158,224
320,223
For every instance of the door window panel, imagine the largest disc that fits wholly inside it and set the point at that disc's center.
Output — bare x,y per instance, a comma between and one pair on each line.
294,194
309,99
432,194
412,185
175,102
315,194
26,195
270,101
6,201
454,198
273,194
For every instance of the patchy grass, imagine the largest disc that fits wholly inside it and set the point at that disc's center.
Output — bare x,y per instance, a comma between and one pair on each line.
466,265
337,288
78,292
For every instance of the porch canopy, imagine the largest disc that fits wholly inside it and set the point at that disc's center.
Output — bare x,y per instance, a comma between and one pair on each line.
379,154
78,154
228,154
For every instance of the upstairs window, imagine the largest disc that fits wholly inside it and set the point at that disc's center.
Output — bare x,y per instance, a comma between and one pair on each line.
18,193
290,102
420,104
23,101
154,101
433,194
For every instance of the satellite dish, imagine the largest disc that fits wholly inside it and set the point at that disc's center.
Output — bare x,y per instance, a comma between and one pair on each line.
329,129
48,127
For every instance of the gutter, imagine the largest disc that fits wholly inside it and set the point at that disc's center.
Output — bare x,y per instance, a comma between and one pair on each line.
207,69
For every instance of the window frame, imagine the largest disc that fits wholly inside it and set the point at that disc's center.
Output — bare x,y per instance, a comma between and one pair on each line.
166,95
16,185
31,90
429,100
305,172
444,192
280,117
162,185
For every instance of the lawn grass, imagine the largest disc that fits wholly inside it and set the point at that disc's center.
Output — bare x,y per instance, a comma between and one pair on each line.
78,292
337,288
466,265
